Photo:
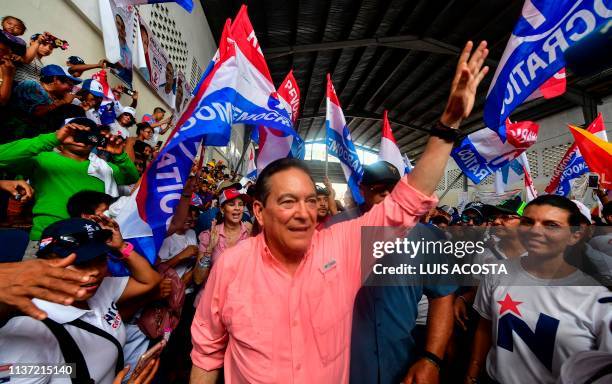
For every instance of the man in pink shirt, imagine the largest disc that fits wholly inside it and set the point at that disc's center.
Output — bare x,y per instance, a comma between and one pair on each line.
277,308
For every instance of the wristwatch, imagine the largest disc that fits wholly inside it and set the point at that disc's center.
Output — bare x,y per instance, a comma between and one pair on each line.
444,132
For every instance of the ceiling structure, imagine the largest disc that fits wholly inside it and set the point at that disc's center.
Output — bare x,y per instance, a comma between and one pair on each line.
398,55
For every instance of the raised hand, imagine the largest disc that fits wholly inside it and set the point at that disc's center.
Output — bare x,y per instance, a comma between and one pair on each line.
66,133
468,76
114,144
43,279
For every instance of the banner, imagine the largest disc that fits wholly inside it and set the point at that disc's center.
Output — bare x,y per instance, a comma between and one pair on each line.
572,164
156,66
389,151
535,51
118,32
517,170
340,144
183,93
483,152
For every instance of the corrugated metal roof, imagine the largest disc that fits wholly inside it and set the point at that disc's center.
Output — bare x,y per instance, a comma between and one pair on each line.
397,55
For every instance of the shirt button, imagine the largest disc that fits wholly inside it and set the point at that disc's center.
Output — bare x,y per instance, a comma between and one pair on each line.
298,366
295,323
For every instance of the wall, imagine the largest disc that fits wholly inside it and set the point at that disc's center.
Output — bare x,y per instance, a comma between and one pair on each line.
78,22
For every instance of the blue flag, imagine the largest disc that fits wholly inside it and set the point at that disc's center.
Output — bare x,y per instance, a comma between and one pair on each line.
535,51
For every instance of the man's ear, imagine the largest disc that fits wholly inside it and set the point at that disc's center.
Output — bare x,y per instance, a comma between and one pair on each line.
258,212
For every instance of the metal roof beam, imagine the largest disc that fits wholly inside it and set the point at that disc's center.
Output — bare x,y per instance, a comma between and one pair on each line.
367,116
402,42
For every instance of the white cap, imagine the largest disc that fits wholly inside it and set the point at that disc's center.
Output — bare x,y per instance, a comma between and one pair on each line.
584,210
130,111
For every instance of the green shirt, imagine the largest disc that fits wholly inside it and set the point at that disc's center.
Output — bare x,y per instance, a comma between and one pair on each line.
55,178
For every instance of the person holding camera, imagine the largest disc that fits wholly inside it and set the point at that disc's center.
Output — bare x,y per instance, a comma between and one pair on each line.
57,175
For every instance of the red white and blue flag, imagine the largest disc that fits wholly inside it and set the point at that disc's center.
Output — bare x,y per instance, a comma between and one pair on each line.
274,144
535,53
251,173
572,164
514,171
389,151
483,152
233,90
340,143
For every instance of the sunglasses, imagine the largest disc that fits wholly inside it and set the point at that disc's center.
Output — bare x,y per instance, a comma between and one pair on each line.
503,217
477,220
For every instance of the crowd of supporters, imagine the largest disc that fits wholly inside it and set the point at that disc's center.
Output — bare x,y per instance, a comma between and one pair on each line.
264,281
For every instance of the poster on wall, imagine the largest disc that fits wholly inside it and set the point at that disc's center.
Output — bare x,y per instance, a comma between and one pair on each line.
158,68
118,30
183,93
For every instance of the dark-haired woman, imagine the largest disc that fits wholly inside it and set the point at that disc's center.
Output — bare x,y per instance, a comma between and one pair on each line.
544,310
222,236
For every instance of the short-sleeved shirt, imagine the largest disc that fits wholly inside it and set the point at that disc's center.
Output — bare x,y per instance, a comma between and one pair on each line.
175,244
26,340
382,346
537,328
28,72
28,95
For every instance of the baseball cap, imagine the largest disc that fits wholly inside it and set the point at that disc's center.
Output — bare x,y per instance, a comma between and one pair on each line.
586,213
94,87
83,237
55,70
512,206
475,207
230,194
130,111
227,184
321,190
74,60
16,44
380,172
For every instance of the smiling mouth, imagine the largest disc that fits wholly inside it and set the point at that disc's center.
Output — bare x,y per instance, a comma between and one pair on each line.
91,286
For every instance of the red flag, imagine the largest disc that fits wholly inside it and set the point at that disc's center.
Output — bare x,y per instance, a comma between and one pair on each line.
289,93
596,152
389,151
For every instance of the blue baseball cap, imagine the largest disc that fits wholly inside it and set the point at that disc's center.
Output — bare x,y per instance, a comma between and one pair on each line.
84,237
94,87
55,70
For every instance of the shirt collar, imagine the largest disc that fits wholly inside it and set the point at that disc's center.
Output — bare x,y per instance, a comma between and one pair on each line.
243,229
60,313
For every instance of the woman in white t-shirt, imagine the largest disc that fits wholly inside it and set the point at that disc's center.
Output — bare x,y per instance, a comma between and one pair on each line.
544,310
24,339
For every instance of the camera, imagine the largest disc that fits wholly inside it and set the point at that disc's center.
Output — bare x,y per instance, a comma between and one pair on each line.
128,91
90,138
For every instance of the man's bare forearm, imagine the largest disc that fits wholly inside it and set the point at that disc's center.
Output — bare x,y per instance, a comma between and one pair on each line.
202,376
439,324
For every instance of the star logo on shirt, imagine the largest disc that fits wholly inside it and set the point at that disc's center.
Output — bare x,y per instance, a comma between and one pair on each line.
507,304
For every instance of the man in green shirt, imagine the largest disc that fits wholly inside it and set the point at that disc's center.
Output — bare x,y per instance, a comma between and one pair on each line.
57,175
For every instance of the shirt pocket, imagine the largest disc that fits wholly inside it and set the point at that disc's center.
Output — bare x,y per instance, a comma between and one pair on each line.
250,329
329,313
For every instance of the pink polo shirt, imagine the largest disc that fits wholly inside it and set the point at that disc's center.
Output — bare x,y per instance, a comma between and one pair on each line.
265,326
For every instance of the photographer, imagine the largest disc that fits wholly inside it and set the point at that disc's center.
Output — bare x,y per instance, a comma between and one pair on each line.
55,176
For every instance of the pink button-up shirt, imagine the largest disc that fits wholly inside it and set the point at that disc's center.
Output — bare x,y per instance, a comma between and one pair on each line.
265,326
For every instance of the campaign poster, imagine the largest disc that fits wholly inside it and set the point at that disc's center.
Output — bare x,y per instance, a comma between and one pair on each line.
124,20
